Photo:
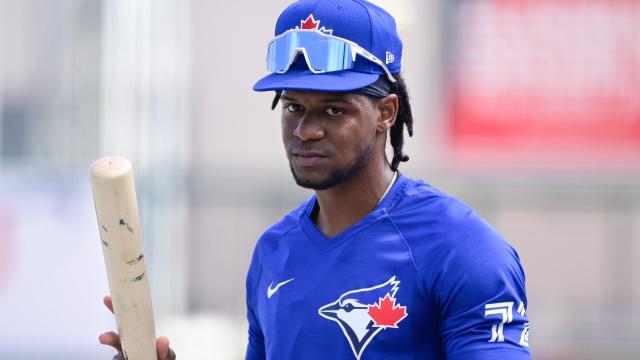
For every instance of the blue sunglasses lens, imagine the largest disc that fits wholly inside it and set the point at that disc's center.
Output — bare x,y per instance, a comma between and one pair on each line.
322,53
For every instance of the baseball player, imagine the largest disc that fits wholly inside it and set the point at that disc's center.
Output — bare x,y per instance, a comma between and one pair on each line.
374,265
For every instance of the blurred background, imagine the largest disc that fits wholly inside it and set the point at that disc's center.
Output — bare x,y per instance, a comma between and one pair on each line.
528,110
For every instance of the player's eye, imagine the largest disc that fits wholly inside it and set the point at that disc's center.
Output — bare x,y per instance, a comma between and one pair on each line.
293,108
334,111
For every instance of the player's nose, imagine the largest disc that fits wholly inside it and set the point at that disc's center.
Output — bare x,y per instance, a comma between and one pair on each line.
309,128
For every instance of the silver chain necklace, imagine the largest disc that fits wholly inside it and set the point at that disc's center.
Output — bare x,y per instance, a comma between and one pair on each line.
393,180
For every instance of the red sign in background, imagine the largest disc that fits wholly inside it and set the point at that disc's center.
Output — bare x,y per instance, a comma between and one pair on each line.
546,84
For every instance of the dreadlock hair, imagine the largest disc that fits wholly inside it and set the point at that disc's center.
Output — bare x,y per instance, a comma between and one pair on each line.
403,119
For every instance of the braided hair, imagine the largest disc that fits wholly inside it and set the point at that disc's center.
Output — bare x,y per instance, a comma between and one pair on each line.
403,119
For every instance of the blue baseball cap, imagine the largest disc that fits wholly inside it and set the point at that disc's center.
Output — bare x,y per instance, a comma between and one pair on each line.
331,46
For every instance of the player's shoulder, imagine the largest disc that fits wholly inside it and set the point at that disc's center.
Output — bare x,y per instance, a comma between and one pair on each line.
429,218
421,203
272,237
446,237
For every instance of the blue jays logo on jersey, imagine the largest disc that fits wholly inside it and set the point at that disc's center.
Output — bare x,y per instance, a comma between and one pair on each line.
363,313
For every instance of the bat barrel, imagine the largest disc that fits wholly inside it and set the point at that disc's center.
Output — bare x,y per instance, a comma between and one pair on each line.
122,245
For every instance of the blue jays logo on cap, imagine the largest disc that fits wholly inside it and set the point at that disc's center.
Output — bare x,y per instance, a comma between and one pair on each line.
337,45
363,313
311,24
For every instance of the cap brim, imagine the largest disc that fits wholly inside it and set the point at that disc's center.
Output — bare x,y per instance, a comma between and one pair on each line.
305,80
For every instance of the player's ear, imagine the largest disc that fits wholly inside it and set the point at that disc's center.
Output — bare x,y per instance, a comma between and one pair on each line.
388,110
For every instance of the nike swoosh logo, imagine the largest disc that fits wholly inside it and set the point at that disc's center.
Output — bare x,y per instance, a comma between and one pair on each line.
271,291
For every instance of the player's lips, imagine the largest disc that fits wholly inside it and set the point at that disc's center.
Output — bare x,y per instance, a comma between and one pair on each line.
308,158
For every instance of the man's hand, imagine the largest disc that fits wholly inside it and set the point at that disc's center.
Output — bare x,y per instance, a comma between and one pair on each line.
112,339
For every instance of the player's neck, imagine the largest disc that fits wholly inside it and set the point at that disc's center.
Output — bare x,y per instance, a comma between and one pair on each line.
345,204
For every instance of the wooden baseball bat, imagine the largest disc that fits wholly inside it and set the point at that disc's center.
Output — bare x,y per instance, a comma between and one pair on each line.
114,196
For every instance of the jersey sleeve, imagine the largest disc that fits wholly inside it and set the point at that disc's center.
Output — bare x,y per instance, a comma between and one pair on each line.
480,291
255,346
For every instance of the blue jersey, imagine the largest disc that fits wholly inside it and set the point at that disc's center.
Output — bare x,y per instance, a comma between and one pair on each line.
422,276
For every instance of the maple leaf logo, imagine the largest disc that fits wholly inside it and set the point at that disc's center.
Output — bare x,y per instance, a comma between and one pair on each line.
309,23
386,314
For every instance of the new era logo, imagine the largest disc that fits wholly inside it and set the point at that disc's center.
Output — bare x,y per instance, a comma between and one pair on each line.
390,58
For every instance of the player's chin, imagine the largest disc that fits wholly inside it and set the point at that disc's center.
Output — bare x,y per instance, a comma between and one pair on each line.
307,176
315,179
